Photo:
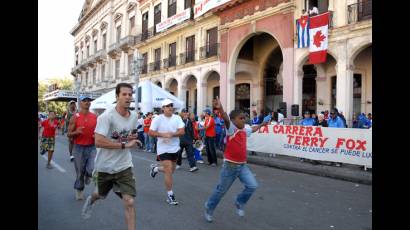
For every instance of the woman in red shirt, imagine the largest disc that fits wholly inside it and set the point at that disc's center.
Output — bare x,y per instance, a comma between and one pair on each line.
48,136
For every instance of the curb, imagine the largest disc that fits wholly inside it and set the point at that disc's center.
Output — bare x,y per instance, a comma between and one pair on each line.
342,173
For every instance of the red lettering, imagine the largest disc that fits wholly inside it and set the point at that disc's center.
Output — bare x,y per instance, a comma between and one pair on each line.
361,145
309,130
297,140
339,142
305,141
350,144
280,129
318,132
275,129
264,129
295,130
313,141
322,141
301,130
289,138
288,129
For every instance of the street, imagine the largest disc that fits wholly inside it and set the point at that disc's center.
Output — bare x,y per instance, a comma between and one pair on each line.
284,199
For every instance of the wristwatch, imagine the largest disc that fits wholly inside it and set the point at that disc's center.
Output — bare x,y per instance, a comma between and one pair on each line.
123,145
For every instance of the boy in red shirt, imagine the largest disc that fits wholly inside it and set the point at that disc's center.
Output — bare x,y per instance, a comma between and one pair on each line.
48,136
234,165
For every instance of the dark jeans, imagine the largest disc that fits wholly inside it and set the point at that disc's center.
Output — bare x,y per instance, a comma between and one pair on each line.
190,155
210,150
141,138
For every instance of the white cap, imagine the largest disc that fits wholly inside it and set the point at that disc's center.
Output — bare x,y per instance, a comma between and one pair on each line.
166,102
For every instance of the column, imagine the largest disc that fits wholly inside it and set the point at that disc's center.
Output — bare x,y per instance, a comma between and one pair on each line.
182,93
297,90
288,79
202,94
123,62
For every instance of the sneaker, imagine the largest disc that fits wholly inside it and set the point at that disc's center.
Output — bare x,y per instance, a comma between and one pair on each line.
338,165
79,195
152,172
87,180
193,169
213,165
239,210
208,214
178,167
200,162
87,208
171,200
42,152
49,166
71,158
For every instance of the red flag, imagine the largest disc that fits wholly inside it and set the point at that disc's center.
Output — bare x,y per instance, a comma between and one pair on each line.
318,38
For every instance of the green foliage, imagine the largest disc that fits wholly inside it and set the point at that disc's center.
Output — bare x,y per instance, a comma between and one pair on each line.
57,106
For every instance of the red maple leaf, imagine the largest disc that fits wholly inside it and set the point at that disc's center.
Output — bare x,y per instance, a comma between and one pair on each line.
318,38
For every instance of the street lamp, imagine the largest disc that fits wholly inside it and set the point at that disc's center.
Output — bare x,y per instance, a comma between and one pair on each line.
77,83
136,71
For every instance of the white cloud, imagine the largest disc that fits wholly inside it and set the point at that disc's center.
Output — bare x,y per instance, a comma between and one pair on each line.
55,43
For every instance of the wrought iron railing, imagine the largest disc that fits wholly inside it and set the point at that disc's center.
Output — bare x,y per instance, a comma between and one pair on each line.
187,57
359,11
209,51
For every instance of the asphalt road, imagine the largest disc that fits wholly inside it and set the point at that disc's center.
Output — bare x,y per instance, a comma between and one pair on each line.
284,200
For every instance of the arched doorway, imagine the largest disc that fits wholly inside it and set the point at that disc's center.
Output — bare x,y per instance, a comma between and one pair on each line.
258,74
159,84
191,94
212,88
173,87
362,81
309,89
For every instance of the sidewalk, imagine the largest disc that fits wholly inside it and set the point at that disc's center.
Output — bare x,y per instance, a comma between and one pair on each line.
346,172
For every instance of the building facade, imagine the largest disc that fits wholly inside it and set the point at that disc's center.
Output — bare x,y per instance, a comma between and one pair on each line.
244,51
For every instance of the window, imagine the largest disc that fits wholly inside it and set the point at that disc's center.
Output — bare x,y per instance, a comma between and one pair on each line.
88,50
211,42
104,41
157,16
145,63
190,47
76,59
103,72
172,7
215,92
130,57
172,54
118,33
322,5
117,68
144,26
132,24
95,46
157,56
94,75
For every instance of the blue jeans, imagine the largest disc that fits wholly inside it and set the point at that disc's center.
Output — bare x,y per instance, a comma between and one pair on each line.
229,173
84,156
148,141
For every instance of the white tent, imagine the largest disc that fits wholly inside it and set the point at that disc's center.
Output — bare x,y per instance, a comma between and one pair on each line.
151,97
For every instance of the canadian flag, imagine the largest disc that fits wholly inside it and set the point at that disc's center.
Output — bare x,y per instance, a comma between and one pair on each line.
318,33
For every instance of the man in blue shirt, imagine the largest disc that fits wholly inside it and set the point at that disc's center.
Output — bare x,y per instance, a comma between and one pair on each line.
307,121
335,121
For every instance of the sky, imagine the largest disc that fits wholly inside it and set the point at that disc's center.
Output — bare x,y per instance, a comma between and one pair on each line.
56,18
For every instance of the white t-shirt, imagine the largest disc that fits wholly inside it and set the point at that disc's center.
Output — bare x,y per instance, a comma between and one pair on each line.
281,118
164,124
111,125
140,122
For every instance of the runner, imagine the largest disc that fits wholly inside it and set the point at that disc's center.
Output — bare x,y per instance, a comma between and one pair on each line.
234,165
186,142
70,111
114,137
48,136
81,129
167,127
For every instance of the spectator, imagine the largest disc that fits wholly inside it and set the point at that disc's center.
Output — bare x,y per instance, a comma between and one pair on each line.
281,117
307,121
355,121
148,139
321,121
209,127
274,119
340,114
255,119
314,11
314,117
186,142
369,117
335,122
326,115
218,130
198,145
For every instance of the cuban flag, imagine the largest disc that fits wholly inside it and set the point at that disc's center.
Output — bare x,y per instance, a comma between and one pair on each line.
318,38
302,26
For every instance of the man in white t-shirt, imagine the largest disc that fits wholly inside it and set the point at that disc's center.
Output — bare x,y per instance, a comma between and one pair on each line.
115,135
167,127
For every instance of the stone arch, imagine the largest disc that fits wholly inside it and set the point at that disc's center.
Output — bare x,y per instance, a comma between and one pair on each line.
302,60
359,48
208,73
186,77
169,80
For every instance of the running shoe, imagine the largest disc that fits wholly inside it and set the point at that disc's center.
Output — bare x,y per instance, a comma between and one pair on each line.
71,158
193,169
239,210
171,200
208,213
152,172
87,208
178,167
200,162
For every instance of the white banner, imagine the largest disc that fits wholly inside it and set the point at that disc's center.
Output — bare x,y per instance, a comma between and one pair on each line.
203,6
173,20
345,145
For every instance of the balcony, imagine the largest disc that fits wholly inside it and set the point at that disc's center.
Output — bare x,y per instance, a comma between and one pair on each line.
359,11
100,55
91,61
144,69
170,62
83,64
209,51
187,57
127,42
114,50
151,67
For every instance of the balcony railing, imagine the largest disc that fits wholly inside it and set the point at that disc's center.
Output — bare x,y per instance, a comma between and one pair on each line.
157,65
100,55
151,67
114,48
127,42
359,11
209,51
187,57
170,62
144,69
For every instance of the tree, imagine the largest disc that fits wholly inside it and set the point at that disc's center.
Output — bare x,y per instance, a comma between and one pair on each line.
57,106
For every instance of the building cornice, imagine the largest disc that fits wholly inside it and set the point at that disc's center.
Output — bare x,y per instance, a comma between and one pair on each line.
87,16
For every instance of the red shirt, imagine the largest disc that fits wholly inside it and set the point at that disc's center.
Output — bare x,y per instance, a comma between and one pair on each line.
147,124
88,121
235,150
195,126
49,129
210,131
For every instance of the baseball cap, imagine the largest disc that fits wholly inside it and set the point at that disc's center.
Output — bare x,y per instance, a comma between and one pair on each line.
72,101
83,97
208,111
166,102
184,110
